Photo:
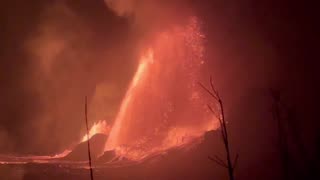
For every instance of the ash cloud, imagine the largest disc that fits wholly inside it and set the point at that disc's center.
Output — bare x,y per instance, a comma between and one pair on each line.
50,63
56,53
151,16
68,50
53,54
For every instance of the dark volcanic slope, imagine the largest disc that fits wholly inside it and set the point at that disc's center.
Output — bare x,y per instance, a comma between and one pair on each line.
179,163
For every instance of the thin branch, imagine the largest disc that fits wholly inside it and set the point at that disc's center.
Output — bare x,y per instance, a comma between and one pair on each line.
235,162
220,122
218,161
213,112
218,158
208,91
224,132
213,88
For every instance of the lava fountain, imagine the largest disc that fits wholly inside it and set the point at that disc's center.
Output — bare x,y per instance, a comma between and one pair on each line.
164,106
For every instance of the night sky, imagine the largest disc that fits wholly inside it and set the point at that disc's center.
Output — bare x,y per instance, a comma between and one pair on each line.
54,53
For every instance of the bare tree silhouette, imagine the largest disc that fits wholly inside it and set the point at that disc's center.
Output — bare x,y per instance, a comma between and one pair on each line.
278,116
224,132
290,140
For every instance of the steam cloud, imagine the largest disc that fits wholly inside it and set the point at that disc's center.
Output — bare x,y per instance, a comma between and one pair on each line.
121,7
68,50
68,55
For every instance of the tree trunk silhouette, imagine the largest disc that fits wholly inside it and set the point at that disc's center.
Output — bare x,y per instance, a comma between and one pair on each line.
89,153
224,131
282,133
290,131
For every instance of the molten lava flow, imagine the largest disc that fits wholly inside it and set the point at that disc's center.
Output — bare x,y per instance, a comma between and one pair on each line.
163,106
101,127
63,154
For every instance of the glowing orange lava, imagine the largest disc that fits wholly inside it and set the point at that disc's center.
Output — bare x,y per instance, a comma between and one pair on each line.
138,78
101,127
163,106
